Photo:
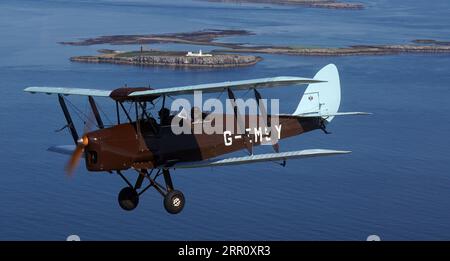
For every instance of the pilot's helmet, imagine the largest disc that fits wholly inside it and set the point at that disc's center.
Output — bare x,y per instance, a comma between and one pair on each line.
164,112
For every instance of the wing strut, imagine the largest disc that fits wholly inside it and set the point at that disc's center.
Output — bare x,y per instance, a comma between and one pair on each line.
70,124
96,113
264,117
240,122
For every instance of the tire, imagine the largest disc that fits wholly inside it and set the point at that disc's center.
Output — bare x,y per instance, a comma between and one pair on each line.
128,199
174,202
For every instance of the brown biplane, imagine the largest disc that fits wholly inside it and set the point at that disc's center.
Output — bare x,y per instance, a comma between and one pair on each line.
151,148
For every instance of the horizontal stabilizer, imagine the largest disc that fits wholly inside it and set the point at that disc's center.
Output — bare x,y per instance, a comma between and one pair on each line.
260,158
63,149
317,114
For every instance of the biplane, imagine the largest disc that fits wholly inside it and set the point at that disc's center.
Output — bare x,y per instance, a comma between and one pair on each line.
148,145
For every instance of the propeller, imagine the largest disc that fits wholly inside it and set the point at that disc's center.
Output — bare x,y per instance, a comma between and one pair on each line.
76,155
81,144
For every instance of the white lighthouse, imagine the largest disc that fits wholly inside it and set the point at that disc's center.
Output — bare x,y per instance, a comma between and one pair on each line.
199,54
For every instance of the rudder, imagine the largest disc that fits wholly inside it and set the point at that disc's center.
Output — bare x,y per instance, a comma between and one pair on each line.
322,98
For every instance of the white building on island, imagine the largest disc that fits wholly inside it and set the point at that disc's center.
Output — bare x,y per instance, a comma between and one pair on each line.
199,54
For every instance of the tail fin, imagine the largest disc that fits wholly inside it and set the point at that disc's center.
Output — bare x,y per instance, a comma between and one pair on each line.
322,98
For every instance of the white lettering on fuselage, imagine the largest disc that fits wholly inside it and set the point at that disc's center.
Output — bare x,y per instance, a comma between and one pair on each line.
261,135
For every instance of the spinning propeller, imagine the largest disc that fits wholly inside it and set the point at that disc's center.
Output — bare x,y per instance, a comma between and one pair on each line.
81,144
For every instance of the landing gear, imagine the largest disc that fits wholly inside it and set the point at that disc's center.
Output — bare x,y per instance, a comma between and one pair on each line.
174,202
129,196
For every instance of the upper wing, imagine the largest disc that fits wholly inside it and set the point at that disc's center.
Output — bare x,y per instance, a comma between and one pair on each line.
206,88
69,91
233,85
260,158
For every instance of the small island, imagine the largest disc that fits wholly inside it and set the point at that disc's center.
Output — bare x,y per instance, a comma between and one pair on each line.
330,4
169,58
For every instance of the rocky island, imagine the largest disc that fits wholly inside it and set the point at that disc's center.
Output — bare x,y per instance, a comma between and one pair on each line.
209,37
346,51
202,37
330,4
431,41
169,58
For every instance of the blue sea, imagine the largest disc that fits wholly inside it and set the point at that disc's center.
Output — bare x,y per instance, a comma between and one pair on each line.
394,184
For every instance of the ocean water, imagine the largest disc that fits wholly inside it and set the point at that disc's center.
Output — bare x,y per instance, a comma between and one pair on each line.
395,184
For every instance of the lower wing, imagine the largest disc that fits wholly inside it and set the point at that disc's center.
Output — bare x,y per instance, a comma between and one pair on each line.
259,158
298,154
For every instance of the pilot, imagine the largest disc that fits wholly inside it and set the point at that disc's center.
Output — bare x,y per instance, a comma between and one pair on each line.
164,116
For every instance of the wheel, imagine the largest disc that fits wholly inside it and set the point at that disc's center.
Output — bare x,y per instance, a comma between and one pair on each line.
128,198
174,202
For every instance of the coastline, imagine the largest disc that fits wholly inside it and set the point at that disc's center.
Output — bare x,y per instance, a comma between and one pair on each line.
328,4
